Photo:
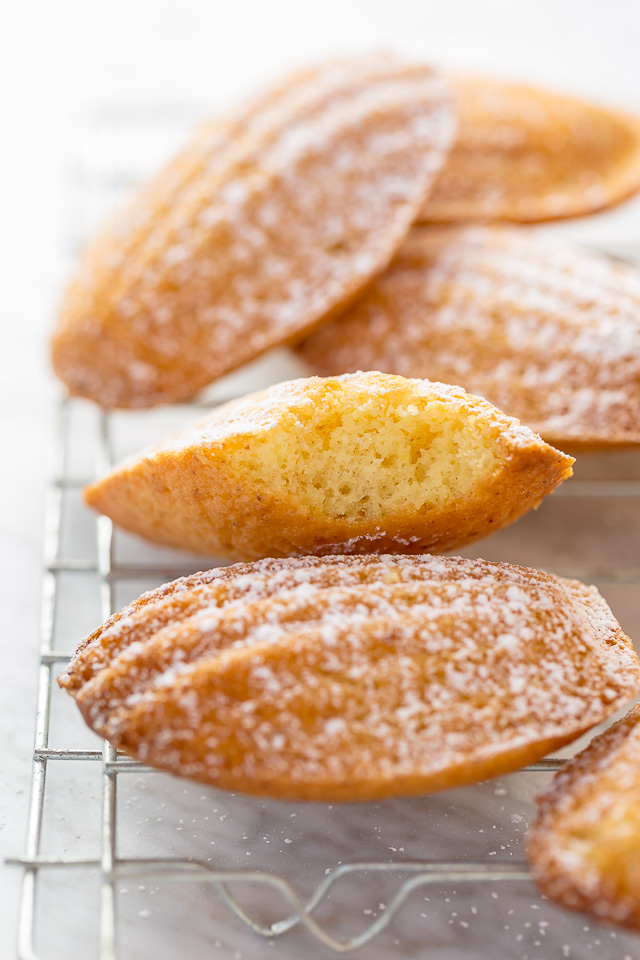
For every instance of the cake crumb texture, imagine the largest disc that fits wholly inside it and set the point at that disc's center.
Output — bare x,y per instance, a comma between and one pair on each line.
355,464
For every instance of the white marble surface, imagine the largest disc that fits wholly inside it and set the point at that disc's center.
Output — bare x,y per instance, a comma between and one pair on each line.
57,63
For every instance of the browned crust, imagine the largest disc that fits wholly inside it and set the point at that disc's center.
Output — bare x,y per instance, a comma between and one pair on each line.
269,222
498,762
580,856
529,155
187,494
344,679
548,333
171,603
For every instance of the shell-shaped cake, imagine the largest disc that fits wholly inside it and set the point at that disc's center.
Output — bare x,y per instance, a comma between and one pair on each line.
365,463
584,846
353,678
270,220
548,333
525,154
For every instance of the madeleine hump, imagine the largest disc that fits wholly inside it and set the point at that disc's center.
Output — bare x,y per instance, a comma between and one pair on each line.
364,463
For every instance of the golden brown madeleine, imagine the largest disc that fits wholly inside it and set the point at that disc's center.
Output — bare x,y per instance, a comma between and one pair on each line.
584,846
209,590
525,154
365,463
269,221
548,333
355,678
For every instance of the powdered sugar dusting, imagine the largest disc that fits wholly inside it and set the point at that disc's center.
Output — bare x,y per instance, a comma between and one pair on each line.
583,845
214,589
549,334
255,232
417,671
525,154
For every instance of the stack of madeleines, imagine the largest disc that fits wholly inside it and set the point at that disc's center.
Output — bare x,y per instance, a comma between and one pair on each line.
357,211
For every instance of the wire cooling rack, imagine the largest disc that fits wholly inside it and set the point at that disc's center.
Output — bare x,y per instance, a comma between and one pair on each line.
589,529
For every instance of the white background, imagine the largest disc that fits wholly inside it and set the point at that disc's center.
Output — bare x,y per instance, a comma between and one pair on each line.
57,59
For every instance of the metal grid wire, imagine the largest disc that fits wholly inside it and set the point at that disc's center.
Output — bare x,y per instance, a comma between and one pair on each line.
112,868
